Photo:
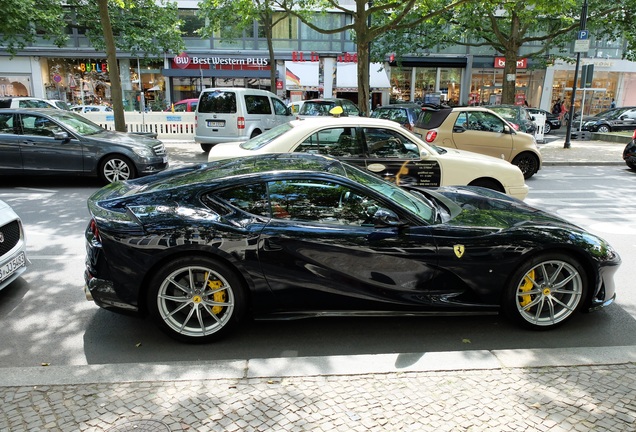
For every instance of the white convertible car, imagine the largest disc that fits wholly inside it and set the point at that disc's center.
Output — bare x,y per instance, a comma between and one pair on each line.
385,148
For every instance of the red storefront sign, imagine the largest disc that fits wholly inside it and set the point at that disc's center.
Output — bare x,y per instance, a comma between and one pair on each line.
500,63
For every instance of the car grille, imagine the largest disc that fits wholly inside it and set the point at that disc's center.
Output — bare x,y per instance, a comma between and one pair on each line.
160,149
10,237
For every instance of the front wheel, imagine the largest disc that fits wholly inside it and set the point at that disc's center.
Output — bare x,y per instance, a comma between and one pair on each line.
196,299
604,129
528,163
116,168
545,292
206,147
488,184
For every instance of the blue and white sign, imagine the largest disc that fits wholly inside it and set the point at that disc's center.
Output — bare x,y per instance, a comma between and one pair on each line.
583,34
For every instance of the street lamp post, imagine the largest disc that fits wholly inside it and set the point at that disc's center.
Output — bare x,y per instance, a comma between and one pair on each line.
568,134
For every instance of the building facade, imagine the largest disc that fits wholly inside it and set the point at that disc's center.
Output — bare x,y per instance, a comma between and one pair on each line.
308,64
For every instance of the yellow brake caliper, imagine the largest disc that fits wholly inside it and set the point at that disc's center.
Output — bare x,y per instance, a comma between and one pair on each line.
219,296
526,286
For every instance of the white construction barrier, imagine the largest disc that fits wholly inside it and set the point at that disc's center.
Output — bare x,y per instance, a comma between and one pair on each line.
166,125
539,120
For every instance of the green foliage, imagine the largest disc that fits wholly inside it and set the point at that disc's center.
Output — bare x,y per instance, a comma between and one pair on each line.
24,21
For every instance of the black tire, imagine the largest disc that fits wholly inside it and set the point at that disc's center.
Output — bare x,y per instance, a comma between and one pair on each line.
604,129
545,291
528,163
116,168
206,147
181,290
631,166
547,128
488,184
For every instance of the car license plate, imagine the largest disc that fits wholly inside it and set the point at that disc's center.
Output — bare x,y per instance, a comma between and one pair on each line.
12,266
212,123
165,159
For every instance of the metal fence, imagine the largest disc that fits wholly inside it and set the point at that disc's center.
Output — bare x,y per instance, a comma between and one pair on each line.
165,124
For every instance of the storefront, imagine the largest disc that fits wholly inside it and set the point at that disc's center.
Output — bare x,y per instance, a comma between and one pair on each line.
187,74
611,80
20,76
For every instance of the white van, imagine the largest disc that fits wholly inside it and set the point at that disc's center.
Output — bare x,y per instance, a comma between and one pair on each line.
236,114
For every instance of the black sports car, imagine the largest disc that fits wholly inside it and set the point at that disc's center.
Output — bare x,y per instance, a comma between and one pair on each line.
300,235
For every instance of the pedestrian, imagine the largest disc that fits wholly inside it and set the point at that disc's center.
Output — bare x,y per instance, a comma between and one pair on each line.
563,112
556,108
613,104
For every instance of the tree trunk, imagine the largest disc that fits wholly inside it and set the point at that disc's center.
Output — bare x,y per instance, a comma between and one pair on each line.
113,68
364,95
508,88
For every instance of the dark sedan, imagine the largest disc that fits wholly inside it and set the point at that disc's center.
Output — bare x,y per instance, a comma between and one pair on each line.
405,114
615,119
299,235
47,141
552,121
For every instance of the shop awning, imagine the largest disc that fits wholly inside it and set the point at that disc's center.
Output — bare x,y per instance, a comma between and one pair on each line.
301,75
347,76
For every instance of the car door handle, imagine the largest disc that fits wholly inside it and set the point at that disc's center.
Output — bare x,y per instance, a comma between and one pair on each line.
28,142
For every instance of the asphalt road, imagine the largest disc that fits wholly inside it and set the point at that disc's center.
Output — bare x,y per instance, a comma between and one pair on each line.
46,319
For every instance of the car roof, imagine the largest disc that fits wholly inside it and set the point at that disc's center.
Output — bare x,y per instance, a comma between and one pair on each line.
400,105
350,121
32,110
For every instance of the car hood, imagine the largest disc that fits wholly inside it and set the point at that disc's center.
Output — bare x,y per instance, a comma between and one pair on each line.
484,208
127,139
230,150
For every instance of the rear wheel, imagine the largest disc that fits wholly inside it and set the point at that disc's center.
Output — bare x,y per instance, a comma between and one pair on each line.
528,163
206,147
603,129
545,291
631,165
255,132
488,184
196,299
116,168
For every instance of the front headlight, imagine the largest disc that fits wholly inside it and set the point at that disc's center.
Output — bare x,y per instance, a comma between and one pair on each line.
144,152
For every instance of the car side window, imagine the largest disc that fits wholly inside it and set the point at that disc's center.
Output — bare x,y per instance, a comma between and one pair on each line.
257,104
350,109
250,198
39,126
320,202
279,107
6,124
480,121
337,142
387,143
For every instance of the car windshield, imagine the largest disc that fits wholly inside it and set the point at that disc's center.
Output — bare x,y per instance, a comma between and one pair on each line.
393,193
76,123
610,114
507,113
263,139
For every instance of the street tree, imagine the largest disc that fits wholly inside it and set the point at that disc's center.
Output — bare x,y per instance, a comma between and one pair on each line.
542,28
140,27
231,18
368,21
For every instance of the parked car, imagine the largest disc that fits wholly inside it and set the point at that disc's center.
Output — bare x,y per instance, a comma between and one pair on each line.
185,105
323,107
552,121
301,235
405,114
479,130
60,104
236,114
615,119
13,258
385,148
27,102
517,115
91,108
46,141
295,106
629,153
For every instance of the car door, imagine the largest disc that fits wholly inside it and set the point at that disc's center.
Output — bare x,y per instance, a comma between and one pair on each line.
321,251
10,157
42,152
281,113
341,142
626,120
483,132
394,157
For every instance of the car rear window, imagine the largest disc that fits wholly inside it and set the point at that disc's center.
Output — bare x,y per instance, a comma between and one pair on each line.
222,102
5,103
432,118
396,114
316,108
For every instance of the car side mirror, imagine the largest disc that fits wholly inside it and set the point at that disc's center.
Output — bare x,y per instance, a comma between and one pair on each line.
385,218
62,136
507,129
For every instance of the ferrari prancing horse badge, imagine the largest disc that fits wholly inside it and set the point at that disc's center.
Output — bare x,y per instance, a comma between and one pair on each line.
459,250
